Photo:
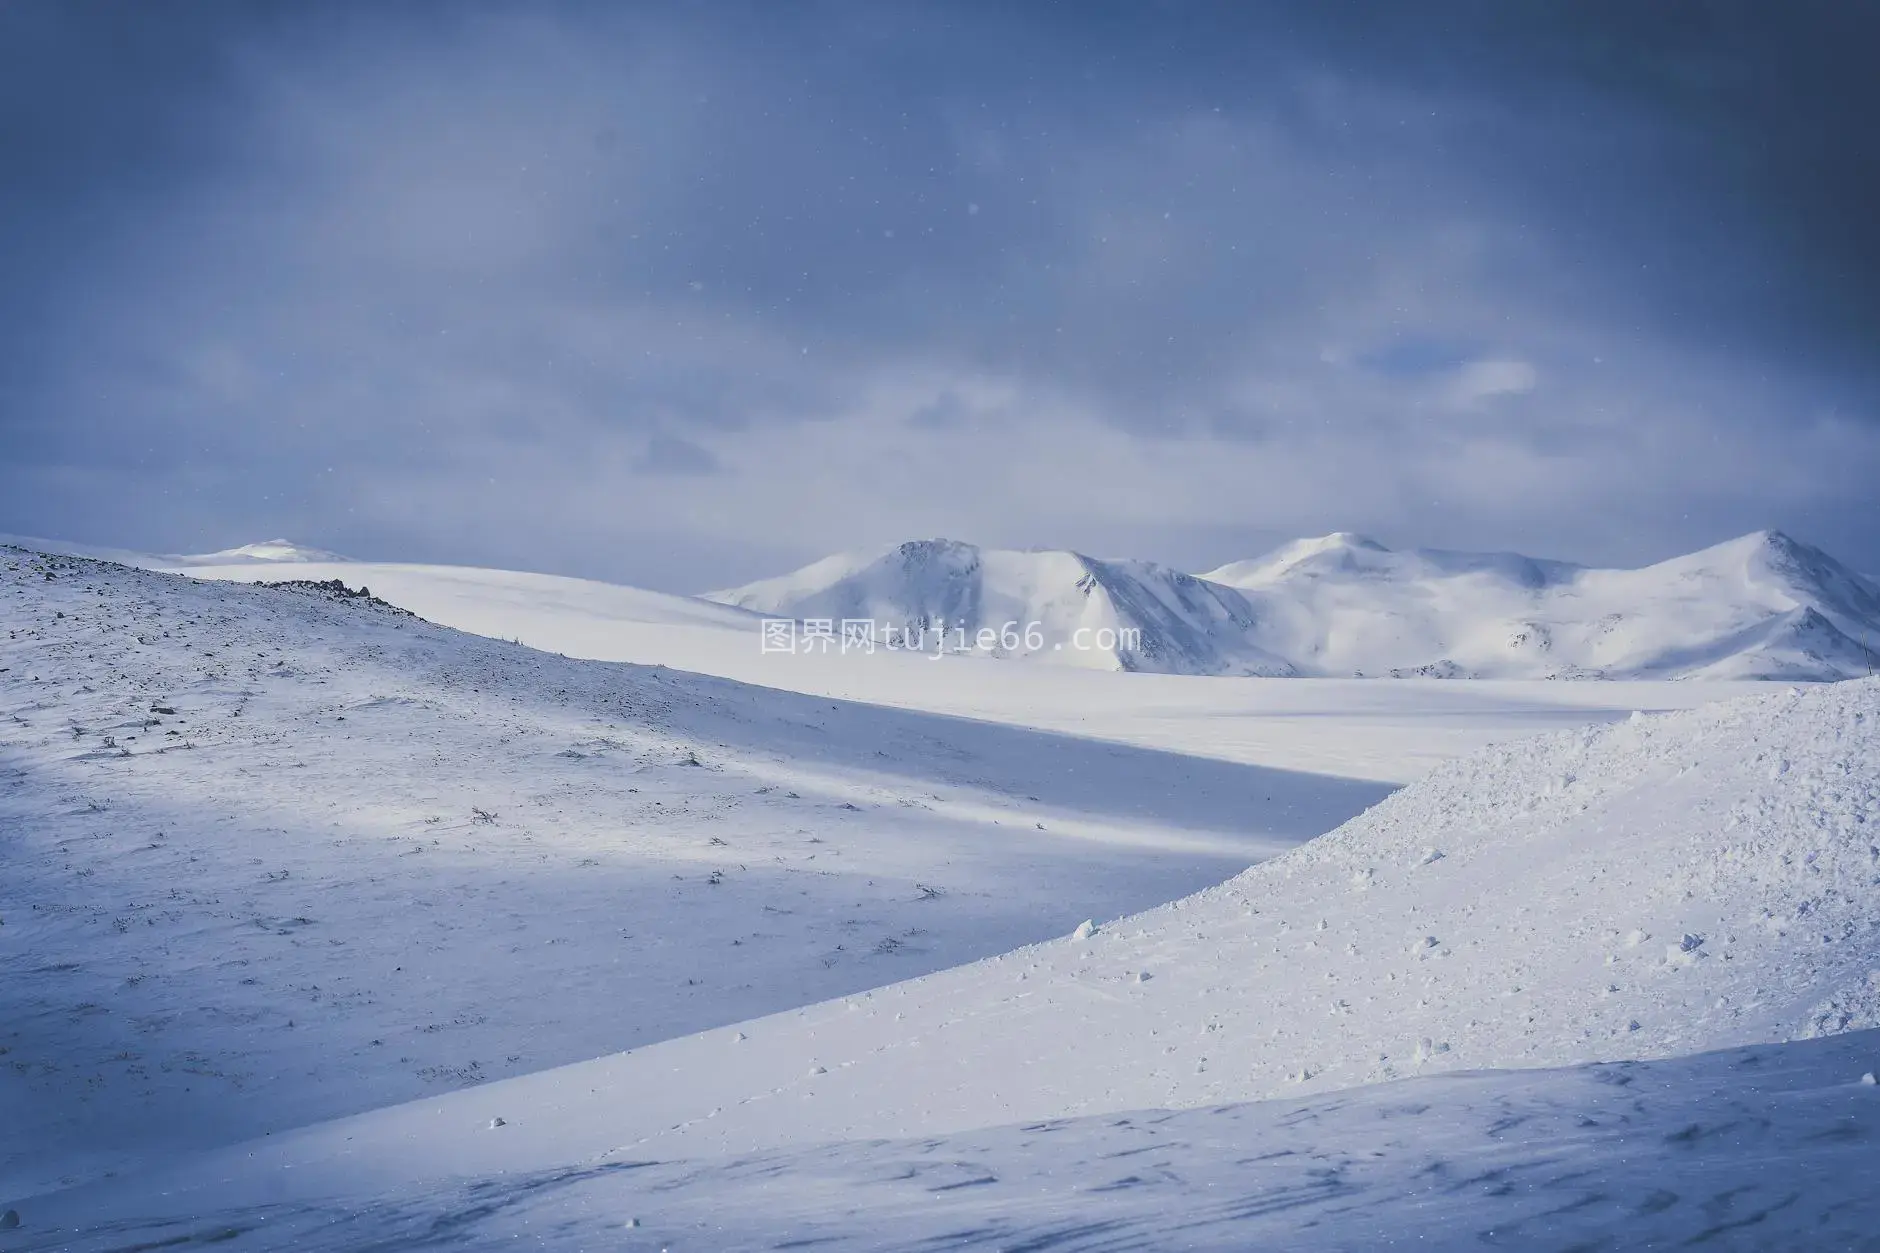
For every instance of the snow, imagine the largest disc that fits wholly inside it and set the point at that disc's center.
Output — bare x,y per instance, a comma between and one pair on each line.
329,926
270,552
1759,607
279,854
1390,732
1061,607
1575,865
1757,1148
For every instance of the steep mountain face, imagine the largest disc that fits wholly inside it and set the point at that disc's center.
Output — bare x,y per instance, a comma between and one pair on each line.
1763,606
1062,607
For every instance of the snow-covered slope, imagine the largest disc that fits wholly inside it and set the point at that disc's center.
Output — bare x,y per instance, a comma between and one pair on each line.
578,617
1058,606
275,854
1760,607
1767,1149
1665,886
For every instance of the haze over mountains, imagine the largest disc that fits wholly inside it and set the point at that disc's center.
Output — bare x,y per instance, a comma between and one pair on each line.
1763,606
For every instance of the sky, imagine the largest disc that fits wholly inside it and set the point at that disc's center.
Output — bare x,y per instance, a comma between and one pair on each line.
687,294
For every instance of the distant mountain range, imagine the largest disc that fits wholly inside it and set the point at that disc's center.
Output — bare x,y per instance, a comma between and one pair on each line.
1763,606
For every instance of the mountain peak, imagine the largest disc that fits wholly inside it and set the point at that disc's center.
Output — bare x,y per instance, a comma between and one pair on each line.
1339,550
267,550
1058,606
1342,539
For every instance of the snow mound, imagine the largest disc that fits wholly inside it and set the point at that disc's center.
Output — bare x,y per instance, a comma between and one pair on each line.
1060,607
1661,886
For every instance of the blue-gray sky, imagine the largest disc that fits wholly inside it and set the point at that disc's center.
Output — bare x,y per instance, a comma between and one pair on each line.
683,294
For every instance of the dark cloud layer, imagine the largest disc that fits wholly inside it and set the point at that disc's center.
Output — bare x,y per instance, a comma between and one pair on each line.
676,293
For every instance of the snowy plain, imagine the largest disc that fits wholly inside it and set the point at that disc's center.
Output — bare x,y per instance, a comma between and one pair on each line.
397,860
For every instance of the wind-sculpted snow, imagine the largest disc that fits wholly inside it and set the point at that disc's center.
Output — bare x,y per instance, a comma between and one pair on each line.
1666,886
1763,1148
276,854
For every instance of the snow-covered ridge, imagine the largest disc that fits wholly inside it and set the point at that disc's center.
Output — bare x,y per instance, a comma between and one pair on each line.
265,552
1763,606
1062,607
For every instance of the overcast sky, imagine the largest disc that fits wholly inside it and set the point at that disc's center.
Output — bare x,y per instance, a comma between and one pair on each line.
685,294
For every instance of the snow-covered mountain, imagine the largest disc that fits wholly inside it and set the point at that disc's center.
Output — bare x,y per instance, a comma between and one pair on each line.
1059,606
271,552
1762,606
264,552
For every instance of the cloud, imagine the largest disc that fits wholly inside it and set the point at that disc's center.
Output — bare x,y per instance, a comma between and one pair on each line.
1478,381
670,455
1080,278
